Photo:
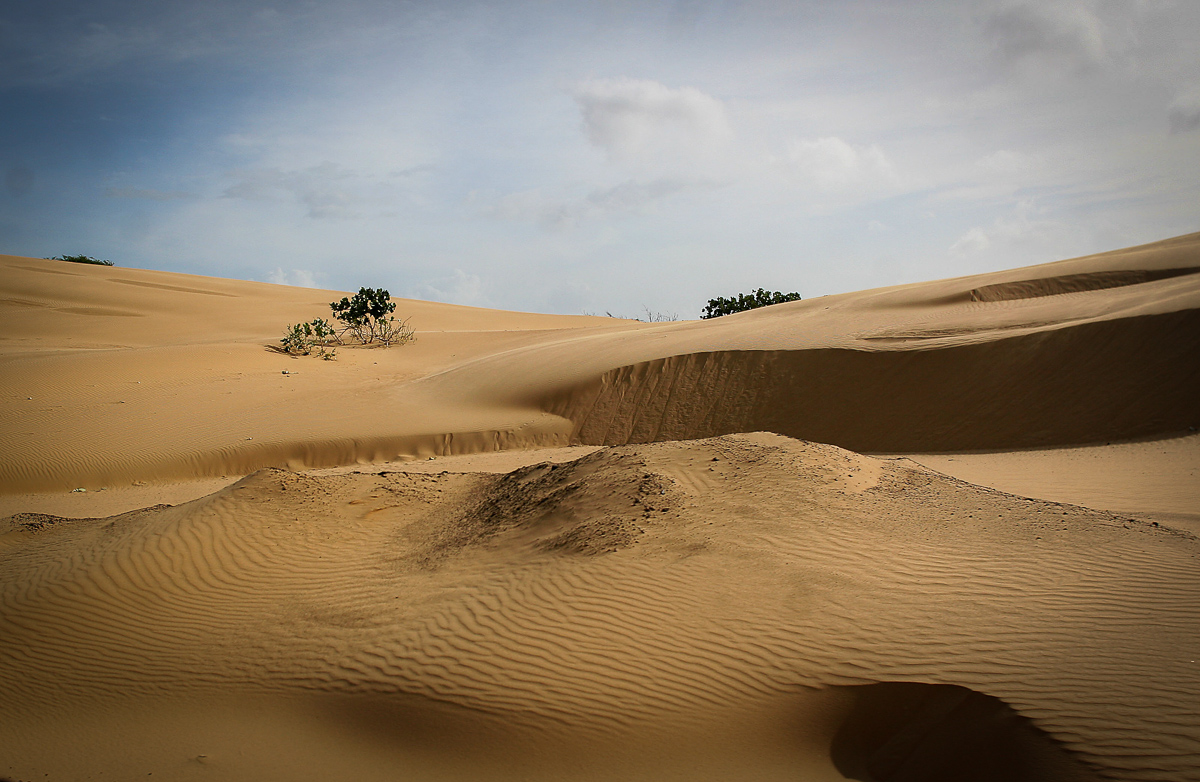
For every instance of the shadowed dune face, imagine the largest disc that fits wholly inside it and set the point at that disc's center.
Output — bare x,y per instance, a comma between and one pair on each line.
946,366
916,732
1074,283
667,611
1098,381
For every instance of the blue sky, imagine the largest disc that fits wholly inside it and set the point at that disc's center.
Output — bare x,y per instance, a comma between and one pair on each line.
603,156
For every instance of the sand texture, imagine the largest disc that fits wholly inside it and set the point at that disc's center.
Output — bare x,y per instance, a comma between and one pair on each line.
534,547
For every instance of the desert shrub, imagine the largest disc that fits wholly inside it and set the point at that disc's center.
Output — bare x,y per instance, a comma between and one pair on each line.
658,317
81,259
393,331
649,316
759,298
302,338
368,316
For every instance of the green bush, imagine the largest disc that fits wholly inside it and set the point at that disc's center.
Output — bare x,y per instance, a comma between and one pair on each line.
81,259
302,338
368,316
759,298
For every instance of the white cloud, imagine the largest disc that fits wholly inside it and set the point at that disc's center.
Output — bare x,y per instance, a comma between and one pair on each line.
300,278
647,124
1048,38
1025,225
1004,161
1067,32
628,197
973,241
1184,113
1002,173
831,164
460,288
341,157
327,190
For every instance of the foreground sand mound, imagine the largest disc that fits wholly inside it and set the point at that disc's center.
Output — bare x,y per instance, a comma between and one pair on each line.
113,376
699,610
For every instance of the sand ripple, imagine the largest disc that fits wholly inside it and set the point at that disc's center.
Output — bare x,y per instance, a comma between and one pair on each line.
640,594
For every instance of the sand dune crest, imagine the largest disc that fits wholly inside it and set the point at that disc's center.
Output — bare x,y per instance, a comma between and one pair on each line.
1074,283
1120,380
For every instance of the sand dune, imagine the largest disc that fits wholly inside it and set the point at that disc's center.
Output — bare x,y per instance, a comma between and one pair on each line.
673,597
189,389
1156,479
626,608
1006,393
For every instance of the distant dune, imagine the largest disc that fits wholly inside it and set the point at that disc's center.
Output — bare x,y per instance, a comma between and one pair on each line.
554,547
117,375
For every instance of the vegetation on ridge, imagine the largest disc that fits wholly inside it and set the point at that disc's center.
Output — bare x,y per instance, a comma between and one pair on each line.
81,259
759,298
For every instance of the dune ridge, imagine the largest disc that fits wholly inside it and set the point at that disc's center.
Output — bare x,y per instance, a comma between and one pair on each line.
1074,283
81,469
96,400
1120,379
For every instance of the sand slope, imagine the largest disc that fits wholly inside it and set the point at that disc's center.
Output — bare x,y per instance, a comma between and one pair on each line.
677,596
950,365
181,382
1156,479
668,611
181,385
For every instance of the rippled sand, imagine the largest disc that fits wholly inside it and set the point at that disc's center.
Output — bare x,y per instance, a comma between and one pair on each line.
662,591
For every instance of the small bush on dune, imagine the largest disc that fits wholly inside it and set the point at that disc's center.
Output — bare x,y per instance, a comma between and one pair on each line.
658,317
302,338
650,316
81,259
368,316
759,298
392,331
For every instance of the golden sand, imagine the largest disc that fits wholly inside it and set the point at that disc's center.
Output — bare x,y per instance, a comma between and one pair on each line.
552,547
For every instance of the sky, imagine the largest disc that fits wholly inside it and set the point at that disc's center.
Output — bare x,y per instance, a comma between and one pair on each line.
623,157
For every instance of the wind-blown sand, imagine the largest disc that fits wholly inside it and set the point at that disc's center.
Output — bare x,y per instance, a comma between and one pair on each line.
553,547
